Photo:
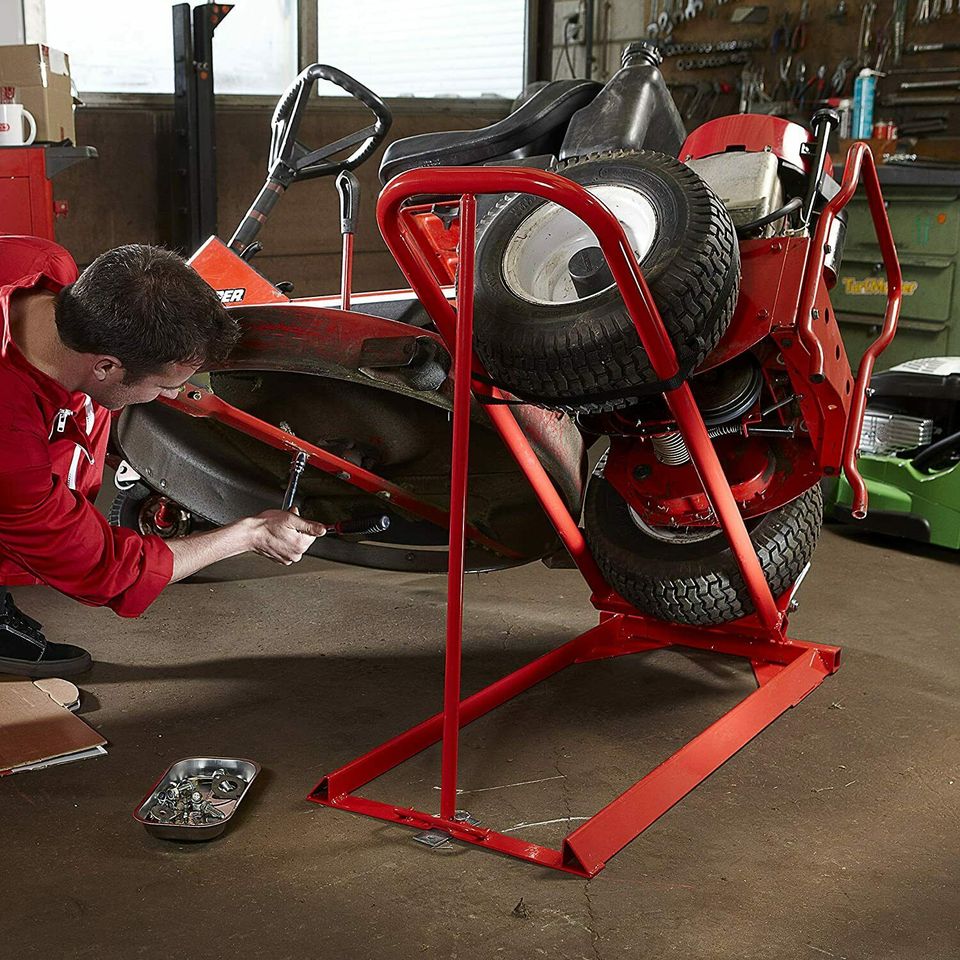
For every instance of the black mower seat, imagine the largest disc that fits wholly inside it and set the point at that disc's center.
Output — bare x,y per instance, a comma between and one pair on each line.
535,127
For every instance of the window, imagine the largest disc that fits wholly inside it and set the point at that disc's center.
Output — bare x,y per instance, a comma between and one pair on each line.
425,48
122,47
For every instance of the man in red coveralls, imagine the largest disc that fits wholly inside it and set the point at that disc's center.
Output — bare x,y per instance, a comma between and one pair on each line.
135,325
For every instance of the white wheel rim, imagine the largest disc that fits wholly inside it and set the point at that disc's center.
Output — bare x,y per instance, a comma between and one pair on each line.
535,262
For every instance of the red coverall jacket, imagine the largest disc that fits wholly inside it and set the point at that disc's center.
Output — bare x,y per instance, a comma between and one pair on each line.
52,447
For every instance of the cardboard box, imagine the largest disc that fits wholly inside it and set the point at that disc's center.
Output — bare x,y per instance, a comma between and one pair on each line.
39,77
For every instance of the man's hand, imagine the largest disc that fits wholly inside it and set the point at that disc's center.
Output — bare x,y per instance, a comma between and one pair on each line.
282,535
278,534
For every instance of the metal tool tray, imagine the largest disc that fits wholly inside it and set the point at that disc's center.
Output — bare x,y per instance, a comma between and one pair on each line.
246,770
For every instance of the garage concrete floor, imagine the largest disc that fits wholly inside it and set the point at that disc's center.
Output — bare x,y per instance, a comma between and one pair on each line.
833,834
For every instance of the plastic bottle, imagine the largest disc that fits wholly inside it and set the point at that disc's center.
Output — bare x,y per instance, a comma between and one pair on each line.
864,94
634,111
845,109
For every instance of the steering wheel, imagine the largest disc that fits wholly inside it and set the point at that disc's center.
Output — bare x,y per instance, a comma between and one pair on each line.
290,160
286,151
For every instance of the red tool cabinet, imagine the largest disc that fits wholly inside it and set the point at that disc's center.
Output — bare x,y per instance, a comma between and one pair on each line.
27,206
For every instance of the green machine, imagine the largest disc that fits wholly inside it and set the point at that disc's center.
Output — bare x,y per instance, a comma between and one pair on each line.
924,210
910,454
910,444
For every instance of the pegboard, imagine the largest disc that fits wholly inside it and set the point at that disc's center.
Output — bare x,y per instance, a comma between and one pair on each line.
829,40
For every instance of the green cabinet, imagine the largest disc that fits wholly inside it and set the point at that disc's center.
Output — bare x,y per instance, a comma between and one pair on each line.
924,211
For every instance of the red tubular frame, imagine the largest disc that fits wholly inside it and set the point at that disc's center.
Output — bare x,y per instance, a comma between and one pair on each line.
458,510
786,670
859,162
859,156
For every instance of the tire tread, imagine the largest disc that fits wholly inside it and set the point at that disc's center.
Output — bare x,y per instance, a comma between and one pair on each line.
696,295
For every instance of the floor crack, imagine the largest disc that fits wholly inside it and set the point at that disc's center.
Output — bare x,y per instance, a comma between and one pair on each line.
564,792
592,925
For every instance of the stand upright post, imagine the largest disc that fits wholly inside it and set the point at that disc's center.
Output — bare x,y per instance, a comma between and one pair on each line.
463,363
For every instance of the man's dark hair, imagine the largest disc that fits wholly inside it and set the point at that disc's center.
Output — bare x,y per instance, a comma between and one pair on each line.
145,306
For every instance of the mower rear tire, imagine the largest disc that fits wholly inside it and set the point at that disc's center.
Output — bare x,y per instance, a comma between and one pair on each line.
131,509
572,344
696,582
125,509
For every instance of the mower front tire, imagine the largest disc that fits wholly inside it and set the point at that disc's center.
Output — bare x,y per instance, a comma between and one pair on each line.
683,578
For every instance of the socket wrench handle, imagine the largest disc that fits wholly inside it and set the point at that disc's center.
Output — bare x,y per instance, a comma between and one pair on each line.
296,470
360,526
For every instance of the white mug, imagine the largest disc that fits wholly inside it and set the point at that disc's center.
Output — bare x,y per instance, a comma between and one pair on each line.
12,116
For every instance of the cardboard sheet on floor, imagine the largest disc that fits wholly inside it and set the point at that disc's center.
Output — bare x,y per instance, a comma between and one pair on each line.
37,732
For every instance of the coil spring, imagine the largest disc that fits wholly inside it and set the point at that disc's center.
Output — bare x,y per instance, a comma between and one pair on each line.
670,448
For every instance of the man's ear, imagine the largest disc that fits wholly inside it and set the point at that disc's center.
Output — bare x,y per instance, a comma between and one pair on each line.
107,368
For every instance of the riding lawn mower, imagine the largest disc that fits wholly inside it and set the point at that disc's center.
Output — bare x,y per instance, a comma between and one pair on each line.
585,275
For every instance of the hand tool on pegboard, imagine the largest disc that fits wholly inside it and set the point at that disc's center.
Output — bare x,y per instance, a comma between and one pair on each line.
717,46
953,84
913,71
709,63
799,81
839,13
780,38
816,85
838,81
899,28
750,15
865,38
753,88
798,38
917,48
782,88
908,100
923,125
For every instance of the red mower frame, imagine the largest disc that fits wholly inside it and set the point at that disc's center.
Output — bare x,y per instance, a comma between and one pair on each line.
786,670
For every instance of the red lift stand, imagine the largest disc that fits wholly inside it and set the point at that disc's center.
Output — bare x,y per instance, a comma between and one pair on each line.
786,670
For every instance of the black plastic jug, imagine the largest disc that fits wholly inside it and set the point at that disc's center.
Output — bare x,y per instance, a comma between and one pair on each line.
634,111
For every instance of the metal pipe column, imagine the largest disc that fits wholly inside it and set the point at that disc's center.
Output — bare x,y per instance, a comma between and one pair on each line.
462,366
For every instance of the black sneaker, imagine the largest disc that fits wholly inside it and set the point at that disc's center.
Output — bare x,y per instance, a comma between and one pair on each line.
26,652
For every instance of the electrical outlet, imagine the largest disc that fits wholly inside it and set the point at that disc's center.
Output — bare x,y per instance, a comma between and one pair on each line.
568,22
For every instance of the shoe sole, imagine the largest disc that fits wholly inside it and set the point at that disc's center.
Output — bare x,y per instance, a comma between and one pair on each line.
50,668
